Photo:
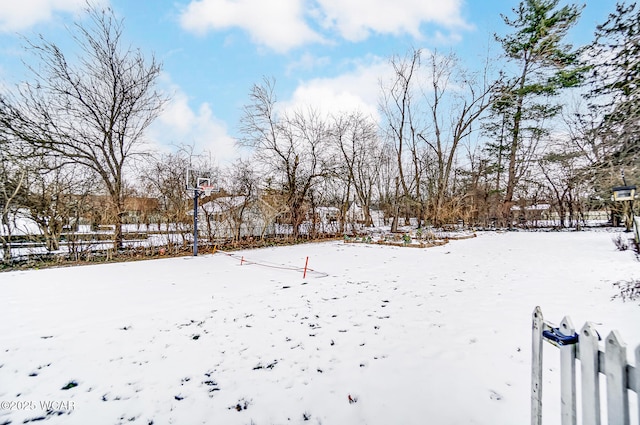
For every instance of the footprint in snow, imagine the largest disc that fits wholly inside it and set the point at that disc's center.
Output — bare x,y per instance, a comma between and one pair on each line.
493,395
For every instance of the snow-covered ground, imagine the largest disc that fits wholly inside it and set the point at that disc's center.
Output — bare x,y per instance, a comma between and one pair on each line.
411,336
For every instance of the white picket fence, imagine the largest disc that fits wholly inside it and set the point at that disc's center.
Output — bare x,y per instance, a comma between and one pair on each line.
610,360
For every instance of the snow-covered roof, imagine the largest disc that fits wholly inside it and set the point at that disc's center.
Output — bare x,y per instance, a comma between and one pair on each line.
535,207
20,224
223,204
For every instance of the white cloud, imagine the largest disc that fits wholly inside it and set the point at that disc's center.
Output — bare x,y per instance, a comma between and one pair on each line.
22,14
277,24
357,90
356,19
285,24
179,124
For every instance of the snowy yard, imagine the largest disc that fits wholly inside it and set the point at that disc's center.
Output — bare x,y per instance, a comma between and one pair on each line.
411,336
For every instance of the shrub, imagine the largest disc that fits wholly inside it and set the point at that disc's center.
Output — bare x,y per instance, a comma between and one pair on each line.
621,243
629,290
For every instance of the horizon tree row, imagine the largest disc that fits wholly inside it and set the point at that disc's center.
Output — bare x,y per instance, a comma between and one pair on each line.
552,124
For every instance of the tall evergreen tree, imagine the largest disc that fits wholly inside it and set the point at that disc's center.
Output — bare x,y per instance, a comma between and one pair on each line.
616,86
544,66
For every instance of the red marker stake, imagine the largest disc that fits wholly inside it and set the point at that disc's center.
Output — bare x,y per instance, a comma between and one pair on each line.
306,263
242,260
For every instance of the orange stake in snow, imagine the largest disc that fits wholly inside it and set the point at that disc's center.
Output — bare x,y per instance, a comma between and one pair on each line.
242,260
306,263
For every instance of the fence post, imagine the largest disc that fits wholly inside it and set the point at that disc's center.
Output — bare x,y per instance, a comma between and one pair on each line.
616,371
590,375
536,367
567,375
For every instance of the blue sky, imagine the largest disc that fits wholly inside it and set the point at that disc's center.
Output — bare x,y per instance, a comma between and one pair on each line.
326,53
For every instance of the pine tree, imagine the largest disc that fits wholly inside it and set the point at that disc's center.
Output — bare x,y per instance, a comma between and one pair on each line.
616,85
545,65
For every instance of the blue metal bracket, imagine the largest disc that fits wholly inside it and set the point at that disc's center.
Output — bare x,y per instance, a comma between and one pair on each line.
555,337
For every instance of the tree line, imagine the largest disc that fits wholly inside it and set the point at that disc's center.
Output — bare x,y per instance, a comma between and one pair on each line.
553,124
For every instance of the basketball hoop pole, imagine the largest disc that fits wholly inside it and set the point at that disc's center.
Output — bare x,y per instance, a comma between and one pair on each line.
198,181
196,193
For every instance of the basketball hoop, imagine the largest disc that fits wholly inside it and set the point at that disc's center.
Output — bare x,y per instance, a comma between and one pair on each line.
207,190
199,182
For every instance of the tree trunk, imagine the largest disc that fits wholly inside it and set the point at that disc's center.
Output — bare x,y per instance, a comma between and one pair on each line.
511,176
6,240
117,232
368,220
396,210
296,220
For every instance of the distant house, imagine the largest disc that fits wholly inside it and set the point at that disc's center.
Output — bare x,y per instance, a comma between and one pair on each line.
355,214
545,214
327,214
18,223
533,212
220,208
94,210
237,216
140,209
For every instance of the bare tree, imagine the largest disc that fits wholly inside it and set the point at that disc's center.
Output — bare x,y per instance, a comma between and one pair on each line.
387,182
561,171
430,108
454,111
397,106
91,109
51,196
242,184
164,179
595,152
342,176
12,175
289,146
360,153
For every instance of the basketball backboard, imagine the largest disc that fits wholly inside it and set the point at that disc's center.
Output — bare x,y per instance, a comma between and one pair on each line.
202,180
